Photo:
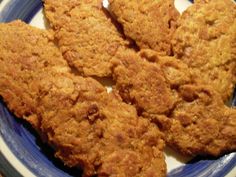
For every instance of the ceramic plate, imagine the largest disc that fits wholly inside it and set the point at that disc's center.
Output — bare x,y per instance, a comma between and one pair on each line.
23,154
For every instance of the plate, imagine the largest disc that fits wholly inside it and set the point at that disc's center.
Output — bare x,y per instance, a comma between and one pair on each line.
22,152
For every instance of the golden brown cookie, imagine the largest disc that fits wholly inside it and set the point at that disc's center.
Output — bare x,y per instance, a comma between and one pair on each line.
150,23
206,41
102,134
200,123
86,126
192,116
86,35
148,85
25,53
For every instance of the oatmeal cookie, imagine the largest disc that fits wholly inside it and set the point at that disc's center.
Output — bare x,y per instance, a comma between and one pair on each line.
148,85
25,52
86,126
206,41
201,124
86,35
150,23
192,116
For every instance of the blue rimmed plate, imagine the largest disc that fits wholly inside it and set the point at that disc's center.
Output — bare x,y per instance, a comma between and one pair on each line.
22,153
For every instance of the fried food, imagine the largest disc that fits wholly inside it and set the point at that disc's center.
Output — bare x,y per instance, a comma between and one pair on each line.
149,23
86,126
192,116
86,35
206,41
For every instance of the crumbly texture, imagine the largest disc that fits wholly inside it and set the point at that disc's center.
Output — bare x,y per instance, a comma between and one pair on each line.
202,1
86,126
100,133
192,116
25,53
206,41
201,124
86,35
148,85
150,23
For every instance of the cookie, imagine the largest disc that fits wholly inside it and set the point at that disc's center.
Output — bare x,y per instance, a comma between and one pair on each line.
205,41
200,123
149,23
86,126
192,116
148,85
25,52
86,35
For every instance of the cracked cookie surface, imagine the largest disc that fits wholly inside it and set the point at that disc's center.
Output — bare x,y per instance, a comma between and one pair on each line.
86,126
86,35
148,85
200,123
205,41
25,53
192,116
150,23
